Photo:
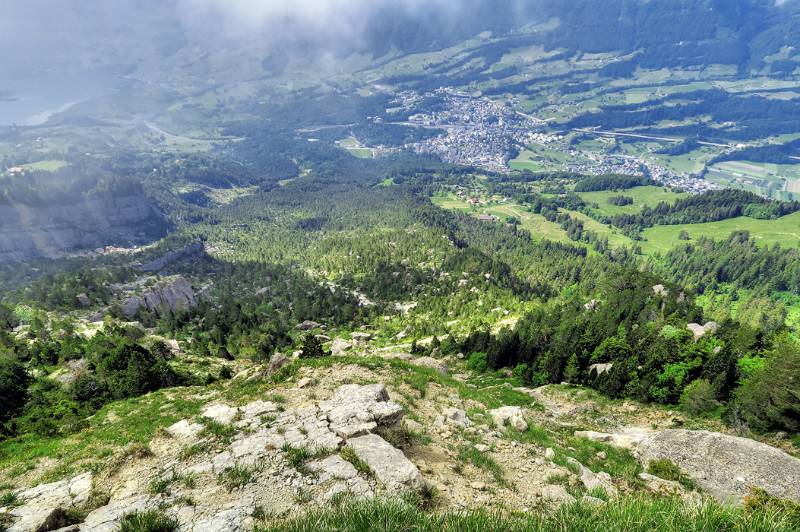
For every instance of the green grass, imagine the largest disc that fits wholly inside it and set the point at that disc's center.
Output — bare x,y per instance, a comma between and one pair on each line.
784,231
149,521
140,419
46,166
774,180
469,454
668,470
237,476
350,455
615,238
217,430
538,158
631,514
642,197
535,224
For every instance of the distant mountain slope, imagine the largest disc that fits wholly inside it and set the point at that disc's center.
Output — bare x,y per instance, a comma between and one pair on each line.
164,40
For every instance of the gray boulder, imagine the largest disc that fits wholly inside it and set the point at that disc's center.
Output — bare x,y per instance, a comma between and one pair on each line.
40,502
356,410
390,465
725,466
591,480
509,416
277,361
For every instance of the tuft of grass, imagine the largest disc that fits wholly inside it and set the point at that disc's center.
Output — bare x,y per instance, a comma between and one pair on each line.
469,454
193,450
669,470
303,496
618,463
217,430
8,498
138,451
148,521
761,501
237,476
184,500
350,455
426,498
298,456
402,437
159,486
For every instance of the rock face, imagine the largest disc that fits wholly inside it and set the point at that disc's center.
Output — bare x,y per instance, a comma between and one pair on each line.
40,502
389,464
49,231
456,416
557,494
192,250
724,466
698,331
599,369
339,346
172,294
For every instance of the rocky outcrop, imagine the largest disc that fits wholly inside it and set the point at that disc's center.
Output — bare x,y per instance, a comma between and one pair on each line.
592,481
195,249
49,231
168,295
309,325
276,362
509,416
599,369
41,502
356,410
698,331
725,466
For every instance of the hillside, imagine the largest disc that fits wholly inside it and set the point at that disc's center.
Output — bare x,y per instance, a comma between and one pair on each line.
259,449
447,265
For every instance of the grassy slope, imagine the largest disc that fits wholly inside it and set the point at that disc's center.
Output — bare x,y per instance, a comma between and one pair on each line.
46,166
642,197
534,223
784,231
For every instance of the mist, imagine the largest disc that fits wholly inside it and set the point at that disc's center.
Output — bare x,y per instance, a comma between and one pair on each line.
84,34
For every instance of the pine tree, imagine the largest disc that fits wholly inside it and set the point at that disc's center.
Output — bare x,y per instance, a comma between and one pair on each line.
572,371
312,348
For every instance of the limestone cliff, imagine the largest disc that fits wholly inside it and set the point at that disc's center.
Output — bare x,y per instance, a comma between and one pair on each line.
49,231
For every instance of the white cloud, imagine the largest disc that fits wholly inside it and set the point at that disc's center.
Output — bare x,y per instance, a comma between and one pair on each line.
276,20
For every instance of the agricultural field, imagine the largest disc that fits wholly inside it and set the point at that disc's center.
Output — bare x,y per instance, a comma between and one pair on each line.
539,158
779,181
784,231
536,224
649,196
50,165
355,148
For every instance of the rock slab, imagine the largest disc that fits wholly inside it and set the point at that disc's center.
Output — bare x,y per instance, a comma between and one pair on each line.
389,464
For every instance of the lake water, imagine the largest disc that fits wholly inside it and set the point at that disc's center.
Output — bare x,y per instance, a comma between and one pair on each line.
31,101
